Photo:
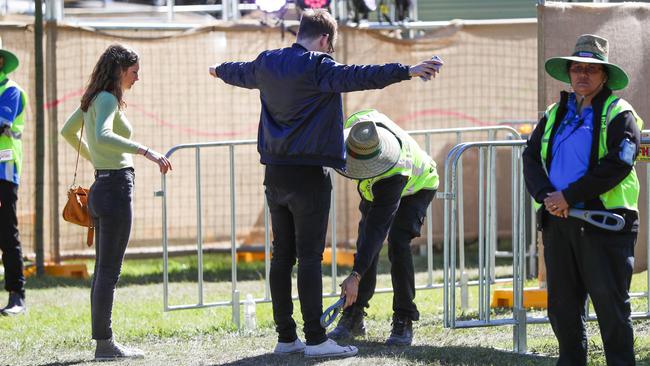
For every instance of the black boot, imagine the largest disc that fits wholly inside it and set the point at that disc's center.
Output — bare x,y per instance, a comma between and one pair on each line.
351,324
16,304
402,332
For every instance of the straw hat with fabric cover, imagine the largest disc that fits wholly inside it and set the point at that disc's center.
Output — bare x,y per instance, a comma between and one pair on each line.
590,49
370,151
10,60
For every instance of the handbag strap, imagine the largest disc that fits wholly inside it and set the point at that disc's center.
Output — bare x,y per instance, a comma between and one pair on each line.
76,165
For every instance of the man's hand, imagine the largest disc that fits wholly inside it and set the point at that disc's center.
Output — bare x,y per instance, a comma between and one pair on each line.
556,205
426,69
213,70
350,289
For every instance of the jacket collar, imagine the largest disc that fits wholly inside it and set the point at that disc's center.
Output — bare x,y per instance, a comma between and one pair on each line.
599,99
602,96
299,46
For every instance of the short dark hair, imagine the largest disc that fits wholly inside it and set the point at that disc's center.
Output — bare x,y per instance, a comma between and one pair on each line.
316,22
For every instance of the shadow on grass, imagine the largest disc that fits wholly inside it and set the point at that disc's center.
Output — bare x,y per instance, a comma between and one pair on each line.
430,355
66,363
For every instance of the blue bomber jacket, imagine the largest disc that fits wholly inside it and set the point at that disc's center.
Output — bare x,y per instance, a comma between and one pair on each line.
301,121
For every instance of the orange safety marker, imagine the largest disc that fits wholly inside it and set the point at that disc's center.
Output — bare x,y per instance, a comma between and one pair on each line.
69,270
344,257
533,298
250,256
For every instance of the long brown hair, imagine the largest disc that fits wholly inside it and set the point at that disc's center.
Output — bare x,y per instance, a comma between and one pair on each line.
107,75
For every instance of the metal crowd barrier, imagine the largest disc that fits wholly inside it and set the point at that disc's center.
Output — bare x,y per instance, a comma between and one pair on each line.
333,291
454,240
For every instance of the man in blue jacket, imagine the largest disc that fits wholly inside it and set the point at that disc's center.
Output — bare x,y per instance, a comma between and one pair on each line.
300,133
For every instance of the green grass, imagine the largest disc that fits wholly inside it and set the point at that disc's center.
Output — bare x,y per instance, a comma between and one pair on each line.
56,330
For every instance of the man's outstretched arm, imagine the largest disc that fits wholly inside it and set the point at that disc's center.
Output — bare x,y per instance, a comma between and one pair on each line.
241,74
339,78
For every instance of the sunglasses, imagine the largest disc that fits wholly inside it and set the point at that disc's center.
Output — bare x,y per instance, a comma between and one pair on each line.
590,70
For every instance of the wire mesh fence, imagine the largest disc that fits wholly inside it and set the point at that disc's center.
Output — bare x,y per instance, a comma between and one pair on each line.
177,102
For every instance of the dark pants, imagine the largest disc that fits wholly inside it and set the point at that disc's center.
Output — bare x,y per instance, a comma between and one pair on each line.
111,209
406,226
12,257
581,261
299,219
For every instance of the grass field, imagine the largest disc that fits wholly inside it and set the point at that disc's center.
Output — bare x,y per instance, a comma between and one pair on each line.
56,329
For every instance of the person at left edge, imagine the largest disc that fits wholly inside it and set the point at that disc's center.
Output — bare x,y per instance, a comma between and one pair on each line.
13,102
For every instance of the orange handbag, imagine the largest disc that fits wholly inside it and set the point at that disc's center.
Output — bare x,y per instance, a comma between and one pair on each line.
76,209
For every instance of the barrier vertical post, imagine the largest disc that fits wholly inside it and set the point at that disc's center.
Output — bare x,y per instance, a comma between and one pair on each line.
233,243
519,254
165,244
481,235
199,225
493,210
461,233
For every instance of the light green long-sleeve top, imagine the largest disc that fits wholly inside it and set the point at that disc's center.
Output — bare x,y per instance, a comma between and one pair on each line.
107,132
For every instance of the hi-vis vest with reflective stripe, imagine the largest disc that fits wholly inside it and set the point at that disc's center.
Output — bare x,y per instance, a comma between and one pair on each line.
10,169
413,162
626,193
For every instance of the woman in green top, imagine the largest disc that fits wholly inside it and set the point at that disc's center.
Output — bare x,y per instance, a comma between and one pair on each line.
108,146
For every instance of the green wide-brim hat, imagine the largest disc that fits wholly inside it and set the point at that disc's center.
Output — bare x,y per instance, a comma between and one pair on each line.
11,61
371,151
589,49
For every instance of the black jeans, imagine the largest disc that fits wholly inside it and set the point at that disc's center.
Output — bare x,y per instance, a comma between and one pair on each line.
406,226
12,257
299,220
581,261
111,209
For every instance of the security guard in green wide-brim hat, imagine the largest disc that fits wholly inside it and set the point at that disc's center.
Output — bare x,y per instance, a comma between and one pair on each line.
582,155
589,49
9,61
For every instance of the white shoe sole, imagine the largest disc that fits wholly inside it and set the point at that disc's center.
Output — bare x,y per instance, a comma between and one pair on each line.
334,355
117,358
12,313
279,353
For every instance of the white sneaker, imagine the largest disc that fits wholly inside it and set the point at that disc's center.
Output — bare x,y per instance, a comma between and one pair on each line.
329,348
288,348
109,350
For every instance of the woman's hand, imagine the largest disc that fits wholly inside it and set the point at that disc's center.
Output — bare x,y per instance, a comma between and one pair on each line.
350,289
163,163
